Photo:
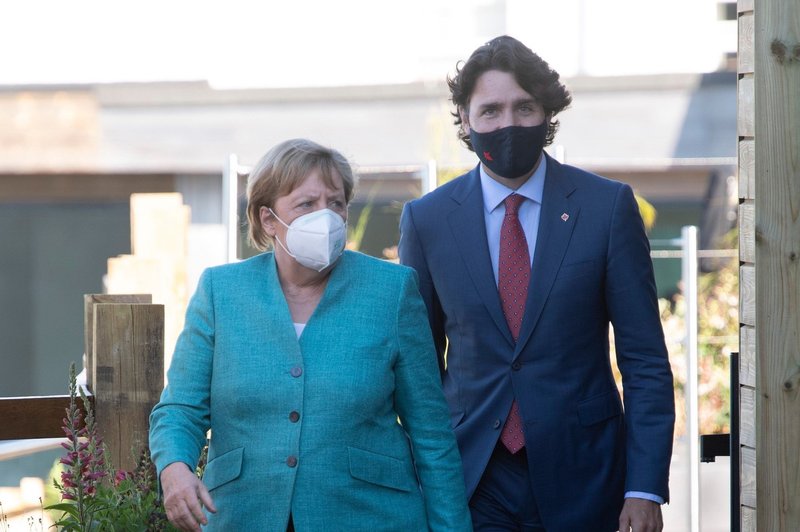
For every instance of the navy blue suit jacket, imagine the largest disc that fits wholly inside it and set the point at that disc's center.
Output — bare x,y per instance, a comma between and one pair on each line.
591,268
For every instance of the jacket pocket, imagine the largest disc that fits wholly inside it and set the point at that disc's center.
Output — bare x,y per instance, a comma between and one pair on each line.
223,468
599,408
379,469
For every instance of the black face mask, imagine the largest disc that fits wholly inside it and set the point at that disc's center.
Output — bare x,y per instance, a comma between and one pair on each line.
512,151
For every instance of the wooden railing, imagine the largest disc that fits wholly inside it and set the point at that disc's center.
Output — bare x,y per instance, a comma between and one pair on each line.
124,343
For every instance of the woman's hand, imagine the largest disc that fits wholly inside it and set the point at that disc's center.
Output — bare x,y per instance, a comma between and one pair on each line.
184,497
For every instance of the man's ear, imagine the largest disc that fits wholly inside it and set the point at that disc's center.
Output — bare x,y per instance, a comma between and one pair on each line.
267,220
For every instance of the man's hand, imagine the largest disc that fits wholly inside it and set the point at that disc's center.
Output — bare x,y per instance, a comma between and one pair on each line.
184,497
640,515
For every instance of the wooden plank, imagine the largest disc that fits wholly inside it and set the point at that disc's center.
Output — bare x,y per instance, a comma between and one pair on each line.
777,168
88,319
744,57
748,470
747,169
747,294
164,277
747,192
743,6
747,232
34,417
747,356
129,354
158,265
745,107
747,416
748,519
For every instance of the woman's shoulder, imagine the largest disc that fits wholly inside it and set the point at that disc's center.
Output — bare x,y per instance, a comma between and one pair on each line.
253,266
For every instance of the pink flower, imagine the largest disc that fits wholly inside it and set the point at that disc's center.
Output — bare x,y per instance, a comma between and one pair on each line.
67,479
120,476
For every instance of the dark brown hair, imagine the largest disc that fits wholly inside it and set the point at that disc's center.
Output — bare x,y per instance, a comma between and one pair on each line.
532,73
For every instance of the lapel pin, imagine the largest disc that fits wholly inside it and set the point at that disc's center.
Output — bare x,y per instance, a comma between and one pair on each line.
565,217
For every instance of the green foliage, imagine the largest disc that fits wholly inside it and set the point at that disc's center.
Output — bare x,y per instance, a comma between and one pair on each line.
356,231
647,211
717,337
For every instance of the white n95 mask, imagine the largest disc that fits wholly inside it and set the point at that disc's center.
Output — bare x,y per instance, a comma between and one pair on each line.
316,239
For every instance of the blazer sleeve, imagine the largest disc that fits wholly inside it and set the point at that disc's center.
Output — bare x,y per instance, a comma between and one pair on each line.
411,254
640,349
181,419
423,412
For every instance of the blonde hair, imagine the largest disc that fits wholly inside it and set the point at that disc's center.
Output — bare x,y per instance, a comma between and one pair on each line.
281,170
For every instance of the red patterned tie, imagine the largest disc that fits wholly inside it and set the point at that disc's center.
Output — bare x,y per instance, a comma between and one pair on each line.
514,271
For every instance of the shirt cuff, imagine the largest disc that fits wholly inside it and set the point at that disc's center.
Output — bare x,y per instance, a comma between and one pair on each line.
644,495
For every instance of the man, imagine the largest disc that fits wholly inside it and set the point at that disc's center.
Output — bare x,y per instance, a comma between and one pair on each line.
523,264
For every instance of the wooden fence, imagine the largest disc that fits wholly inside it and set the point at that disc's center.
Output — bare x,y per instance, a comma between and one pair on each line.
124,343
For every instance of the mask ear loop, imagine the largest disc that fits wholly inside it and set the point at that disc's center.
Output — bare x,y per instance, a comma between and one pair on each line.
278,240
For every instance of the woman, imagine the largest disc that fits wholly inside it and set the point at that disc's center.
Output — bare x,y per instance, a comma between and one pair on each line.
314,369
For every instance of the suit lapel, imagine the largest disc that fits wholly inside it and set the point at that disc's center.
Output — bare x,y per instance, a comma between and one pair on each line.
553,238
469,231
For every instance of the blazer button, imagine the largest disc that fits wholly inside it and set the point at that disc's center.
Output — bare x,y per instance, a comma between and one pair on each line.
294,417
496,424
291,461
516,365
296,371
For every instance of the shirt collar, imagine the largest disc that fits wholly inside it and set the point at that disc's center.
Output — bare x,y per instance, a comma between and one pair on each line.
494,193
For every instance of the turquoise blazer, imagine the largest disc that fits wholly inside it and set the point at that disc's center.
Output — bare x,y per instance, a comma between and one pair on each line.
346,428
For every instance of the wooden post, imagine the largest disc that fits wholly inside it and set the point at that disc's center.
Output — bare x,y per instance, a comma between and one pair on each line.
777,264
128,347
158,263
88,325
745,454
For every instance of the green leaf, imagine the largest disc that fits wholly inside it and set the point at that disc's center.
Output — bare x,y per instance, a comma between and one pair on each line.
65,507
66,525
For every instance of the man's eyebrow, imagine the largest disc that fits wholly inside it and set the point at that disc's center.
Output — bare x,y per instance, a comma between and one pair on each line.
488,105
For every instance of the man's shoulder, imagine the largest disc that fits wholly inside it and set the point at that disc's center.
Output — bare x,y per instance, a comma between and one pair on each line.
585,186
582,178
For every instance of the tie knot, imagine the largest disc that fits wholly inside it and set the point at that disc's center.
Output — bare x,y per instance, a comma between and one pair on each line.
512,203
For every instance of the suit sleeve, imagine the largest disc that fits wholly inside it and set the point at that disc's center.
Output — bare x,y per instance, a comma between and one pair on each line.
423,412
181,419
411,254
640,349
